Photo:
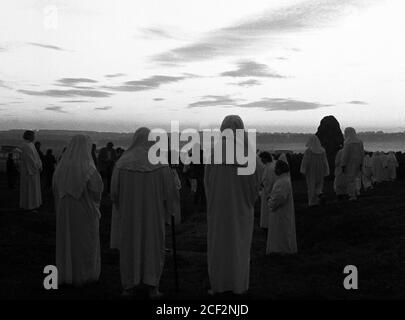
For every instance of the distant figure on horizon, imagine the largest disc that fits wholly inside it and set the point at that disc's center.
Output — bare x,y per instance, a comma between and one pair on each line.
352,161
331,138
281,237
12,171
230,214
143,195
77,187
267,183
30,174
315,167
106,161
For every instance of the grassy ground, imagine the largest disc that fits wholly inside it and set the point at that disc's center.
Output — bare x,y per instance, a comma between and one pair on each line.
368,233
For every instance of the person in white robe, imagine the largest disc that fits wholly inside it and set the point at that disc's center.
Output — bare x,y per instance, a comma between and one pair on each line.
339,184
367,173
315,167
30,174
385,170
268,180
392,164
77,187
352,161
377,167
281,237
230,214
144,195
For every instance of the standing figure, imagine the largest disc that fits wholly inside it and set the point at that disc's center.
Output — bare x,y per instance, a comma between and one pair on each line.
12,171
352,161
392,164
106,161
30,174
230,213
49,164
367,172
144,195
315,167
267,183
77,187
339,184
281,237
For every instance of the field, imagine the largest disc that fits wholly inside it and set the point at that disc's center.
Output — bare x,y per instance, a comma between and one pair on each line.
368,233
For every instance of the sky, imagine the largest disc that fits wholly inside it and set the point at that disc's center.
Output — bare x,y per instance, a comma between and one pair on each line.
281,65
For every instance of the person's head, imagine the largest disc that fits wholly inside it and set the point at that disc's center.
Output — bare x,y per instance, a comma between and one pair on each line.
49,152
110,145
281,168
37,145
350,132
266,157
29,135
93,147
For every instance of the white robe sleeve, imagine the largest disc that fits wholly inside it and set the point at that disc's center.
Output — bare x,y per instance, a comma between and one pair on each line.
279,195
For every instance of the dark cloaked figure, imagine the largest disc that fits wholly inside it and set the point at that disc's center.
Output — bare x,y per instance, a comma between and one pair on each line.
331,137
197,172
49,163
38,147
12,171
106,161
94,153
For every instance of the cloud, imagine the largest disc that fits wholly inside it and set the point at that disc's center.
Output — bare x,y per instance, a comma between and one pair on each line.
76,101
268,104
115,75
46,46
279,104
3,85
68,93
56,109
158,99
244,36
156,33
147,83
247,83
214,101
359,102
103,108
75,81
251,69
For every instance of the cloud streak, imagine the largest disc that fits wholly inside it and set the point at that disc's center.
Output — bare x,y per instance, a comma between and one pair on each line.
274,23
358,102
150,83
46,46
268,104
251,69
68,93
103,108
56,109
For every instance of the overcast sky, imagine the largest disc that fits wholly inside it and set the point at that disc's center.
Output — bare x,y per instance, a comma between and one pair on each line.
281,65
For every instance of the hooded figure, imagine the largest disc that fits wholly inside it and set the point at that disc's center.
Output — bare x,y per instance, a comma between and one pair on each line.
392,165
281,237
315,167
144,195
268,179
352,161
367,172
30,174
377,167
77,188
230,212
339,184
